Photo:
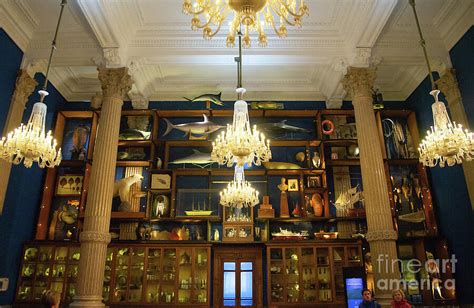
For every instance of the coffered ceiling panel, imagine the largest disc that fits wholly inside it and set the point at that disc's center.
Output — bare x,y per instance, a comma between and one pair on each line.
168,60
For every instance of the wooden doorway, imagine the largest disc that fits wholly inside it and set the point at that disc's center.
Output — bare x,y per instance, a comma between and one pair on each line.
238,279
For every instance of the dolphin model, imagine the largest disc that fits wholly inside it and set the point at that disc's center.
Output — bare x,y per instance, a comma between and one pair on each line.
214,98
197,128
197,158
281,128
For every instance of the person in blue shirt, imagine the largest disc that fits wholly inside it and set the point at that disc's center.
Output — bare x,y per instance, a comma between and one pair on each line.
367,300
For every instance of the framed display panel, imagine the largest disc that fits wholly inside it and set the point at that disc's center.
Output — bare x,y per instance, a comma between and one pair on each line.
136,125
399,133
338,124
412,201
308,274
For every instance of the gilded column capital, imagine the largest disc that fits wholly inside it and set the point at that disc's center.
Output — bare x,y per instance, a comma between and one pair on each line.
24,86
115,81
359,81
381,235
448,84
94,236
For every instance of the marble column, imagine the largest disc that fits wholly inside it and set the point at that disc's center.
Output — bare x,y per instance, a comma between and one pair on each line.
95,235
448,85
380,230
24,86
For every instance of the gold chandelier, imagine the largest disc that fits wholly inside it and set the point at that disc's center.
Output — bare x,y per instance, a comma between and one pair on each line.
250,16
29,143
239,143
239,193
446,143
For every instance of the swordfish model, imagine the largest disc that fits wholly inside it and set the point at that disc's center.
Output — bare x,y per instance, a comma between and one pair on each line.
196,128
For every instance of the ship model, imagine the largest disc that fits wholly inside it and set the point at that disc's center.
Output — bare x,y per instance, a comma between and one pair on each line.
199,210
345,203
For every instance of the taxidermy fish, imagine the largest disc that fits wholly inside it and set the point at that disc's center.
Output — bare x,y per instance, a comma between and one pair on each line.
281,128
197,128
134,134
280,165
131,154
266,105
197,158
418,216
215,98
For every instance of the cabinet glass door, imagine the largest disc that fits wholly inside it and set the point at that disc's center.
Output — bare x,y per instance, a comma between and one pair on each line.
200,275
135,285
323,274
338,258
121,275
185,280
168,278
153,275
308,268
108,274
276,274
292,275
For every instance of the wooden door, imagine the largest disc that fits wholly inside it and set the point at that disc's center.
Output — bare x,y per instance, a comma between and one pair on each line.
238,280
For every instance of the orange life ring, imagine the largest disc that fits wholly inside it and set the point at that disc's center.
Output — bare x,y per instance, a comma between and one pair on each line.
331,127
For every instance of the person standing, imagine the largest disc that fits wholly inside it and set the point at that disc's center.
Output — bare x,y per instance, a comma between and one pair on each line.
367,300
399,300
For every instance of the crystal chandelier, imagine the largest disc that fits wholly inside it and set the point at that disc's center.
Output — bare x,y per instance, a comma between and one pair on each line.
446,143
29,143
252,16
239,143
239,193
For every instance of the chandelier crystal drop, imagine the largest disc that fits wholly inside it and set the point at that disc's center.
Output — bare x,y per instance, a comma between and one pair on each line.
446,143
249,16
239,143
29,143
239,193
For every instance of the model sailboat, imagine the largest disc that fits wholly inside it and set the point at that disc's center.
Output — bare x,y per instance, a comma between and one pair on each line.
346,200
198,211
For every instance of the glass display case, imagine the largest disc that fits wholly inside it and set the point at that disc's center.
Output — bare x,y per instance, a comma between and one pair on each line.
309,273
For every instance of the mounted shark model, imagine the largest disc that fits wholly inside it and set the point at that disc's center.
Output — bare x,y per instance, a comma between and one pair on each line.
199,159
214,98
281,128
196,128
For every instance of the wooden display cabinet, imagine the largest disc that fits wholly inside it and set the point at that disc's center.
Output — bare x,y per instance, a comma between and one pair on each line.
234,230
309,273
135,274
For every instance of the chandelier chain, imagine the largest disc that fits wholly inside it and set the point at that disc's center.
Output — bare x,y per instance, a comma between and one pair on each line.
423,45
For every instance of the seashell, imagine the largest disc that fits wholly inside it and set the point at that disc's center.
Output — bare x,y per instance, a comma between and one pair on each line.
300,156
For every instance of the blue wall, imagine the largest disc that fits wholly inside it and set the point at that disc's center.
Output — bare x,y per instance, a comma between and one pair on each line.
450,195
17,223
462,57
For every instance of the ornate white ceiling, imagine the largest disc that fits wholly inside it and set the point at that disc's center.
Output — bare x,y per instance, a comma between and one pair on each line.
168,61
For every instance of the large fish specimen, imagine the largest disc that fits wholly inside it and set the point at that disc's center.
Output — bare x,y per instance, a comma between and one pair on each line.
280,165
134,134
196,128
266,105
199,159
281,128
215,98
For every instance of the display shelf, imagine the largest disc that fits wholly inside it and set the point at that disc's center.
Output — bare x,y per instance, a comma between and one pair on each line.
343,162
407,161
128,163
339,142
130,216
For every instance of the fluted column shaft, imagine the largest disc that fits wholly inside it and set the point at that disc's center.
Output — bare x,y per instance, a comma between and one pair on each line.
448,84
381,234
24,86
95,235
